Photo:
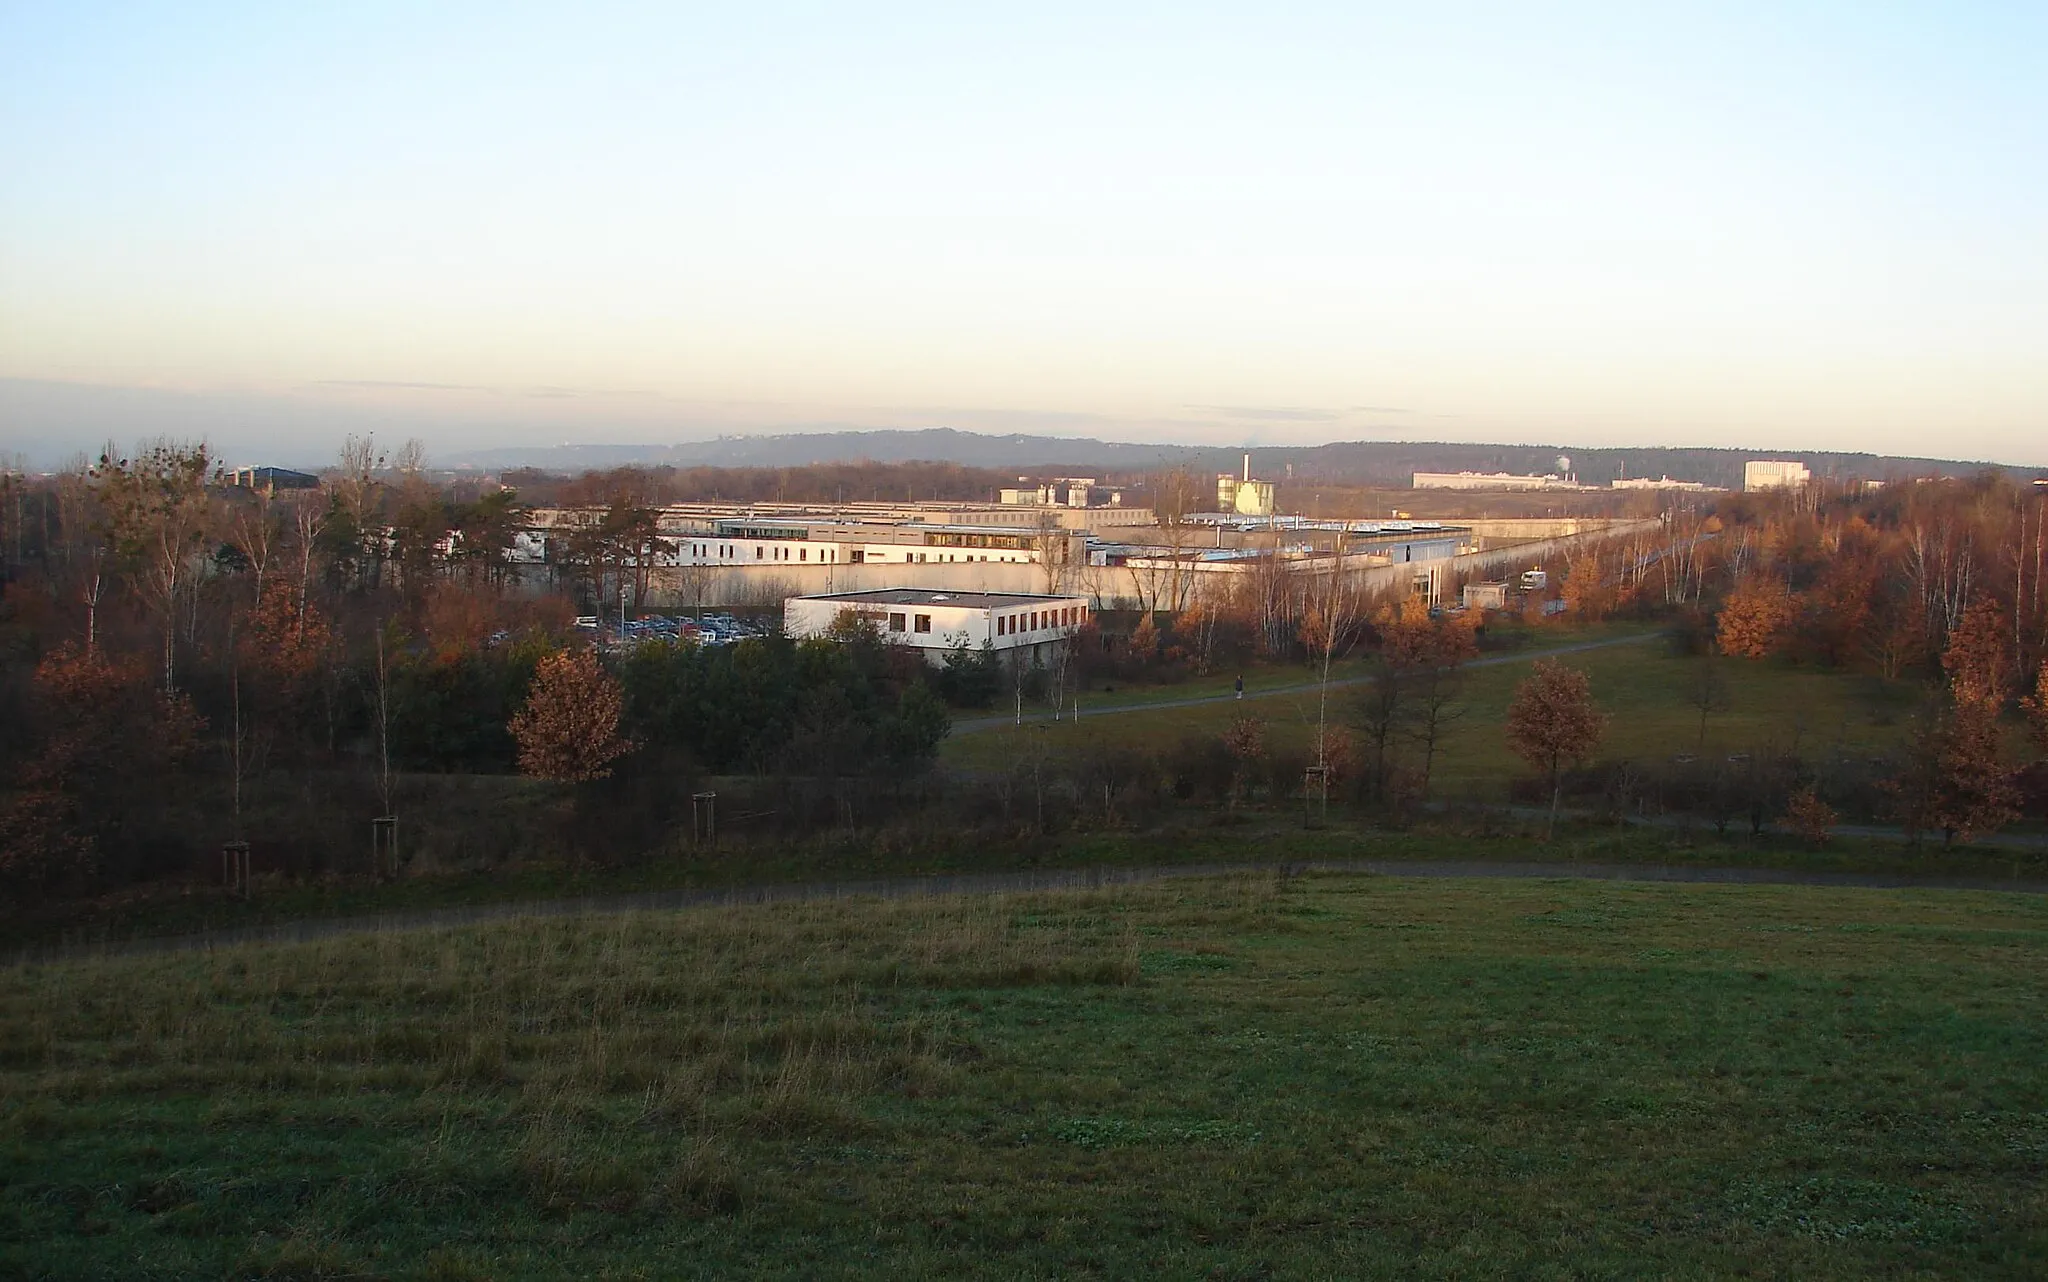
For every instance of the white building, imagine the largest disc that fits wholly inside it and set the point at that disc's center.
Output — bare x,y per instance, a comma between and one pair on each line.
775,539
1773,474
1016,624
1662,483
1489,481
1062,491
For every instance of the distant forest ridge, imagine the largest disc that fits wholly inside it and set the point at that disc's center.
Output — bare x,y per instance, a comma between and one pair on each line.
1379,463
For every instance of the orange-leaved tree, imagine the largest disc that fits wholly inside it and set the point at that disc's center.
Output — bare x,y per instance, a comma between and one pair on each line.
1810,817
569,728
1755,618
1974,791
1976,657
106,739
1553,724
2037,706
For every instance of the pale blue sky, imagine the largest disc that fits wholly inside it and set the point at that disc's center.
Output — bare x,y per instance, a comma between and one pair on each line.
1800,225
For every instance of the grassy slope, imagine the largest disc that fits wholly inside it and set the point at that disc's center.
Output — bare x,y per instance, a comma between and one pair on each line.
1236,1077
1643,687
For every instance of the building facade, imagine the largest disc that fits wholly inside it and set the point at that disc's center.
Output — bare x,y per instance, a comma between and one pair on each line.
1018,625
1773,474
1489,481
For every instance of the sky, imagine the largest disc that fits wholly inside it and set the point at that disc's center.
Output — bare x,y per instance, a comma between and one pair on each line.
1790,225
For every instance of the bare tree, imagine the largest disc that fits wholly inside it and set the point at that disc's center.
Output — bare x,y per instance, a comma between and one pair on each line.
156,508
1708,692
1434,706
1333,609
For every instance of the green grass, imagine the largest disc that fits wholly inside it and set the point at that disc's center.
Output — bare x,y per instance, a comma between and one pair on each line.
1243,1077
1642,686
1272,835
1262,676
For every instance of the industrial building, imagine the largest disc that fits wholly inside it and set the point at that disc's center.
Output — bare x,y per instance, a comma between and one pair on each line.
272,479
1017,625
1663,483
1062,491
1773,474
1245,496
764,539
1491,481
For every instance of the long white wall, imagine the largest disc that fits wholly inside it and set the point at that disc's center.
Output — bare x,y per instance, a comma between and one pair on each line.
771,582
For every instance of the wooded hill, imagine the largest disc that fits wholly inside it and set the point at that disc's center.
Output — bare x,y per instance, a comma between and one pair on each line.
1344,462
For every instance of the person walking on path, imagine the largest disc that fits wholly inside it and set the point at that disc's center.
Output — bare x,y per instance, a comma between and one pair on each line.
1240,686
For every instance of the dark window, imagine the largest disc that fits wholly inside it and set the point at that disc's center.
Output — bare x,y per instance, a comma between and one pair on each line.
895,623
923,623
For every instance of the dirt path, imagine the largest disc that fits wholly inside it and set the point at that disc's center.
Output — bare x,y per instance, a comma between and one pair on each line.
1001,883
1303,687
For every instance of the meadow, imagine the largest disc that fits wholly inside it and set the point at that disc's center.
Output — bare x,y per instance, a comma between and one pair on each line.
1644,686
1253,1076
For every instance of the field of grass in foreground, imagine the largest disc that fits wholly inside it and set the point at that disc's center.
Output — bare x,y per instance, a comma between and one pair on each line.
1321,1076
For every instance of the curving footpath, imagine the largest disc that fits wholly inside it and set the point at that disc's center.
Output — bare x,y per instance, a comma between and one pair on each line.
999,883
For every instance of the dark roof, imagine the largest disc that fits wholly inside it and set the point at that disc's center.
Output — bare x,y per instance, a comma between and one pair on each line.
928,596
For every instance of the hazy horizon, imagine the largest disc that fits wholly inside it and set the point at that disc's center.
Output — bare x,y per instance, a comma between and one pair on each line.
1765,227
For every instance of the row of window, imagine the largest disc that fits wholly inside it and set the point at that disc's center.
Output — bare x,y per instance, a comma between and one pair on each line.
728,552
1008,625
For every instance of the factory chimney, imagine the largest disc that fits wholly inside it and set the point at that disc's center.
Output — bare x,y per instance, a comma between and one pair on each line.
1247,465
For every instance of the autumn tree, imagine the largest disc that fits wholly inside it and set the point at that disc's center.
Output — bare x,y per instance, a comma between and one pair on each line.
107,740
1754,618
1553,724
1245,738
569,728
1974,792
156,513
1589,591
1810,817
2037,707
1976,659
1330,620
1411,688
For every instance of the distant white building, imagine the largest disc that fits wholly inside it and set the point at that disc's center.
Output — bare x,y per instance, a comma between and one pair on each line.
1489,481
1773,474
1662,483
1016,624
1062,491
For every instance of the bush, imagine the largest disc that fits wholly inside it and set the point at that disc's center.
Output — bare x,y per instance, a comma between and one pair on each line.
1199,767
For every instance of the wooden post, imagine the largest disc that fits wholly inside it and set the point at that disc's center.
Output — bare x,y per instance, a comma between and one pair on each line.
234,867
384,847
1315,796
704,817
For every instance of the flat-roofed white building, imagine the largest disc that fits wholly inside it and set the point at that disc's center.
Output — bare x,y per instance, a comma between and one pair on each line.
1773,474
1489,481
1015,624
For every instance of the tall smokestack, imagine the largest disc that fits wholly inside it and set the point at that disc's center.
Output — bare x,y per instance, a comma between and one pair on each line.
1247,465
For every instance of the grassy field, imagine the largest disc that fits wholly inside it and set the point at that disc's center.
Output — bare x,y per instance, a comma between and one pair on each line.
1263,676
1243,1077
1643,687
